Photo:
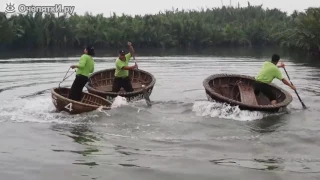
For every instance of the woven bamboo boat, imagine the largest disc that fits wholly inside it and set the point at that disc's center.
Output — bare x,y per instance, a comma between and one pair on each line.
100,83
89,102
237,90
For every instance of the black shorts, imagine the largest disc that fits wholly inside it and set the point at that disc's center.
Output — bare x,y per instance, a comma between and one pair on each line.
265,89
124,83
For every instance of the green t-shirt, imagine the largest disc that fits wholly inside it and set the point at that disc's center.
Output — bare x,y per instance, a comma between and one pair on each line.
120,64
86,65
268,72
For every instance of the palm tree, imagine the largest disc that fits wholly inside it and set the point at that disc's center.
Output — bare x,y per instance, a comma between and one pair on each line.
225,26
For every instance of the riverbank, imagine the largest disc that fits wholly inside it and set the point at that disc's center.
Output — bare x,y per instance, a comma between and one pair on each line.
106,54
113,52
252,26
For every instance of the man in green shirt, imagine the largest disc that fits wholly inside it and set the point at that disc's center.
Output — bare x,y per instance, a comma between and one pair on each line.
84,68
268,72
121,75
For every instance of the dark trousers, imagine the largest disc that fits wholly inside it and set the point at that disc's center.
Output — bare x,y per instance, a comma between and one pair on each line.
77,86
265,89
124,83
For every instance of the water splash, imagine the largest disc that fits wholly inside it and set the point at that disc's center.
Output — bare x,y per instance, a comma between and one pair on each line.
40,109
223,110
100,109
119,101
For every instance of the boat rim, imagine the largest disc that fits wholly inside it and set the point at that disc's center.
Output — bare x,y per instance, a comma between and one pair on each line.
285,102
121,93
77,102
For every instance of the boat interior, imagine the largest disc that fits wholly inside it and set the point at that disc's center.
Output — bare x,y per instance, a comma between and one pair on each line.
241,89
103,81
86,98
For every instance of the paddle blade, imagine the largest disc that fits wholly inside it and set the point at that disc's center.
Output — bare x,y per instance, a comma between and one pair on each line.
303,105
146,96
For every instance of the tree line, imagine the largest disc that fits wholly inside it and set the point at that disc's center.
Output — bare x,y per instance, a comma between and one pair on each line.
226,26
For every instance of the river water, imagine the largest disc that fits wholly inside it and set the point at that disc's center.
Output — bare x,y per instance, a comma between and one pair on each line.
182,136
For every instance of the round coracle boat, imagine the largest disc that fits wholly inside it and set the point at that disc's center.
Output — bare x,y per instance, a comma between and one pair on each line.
100,83
89,102
238,90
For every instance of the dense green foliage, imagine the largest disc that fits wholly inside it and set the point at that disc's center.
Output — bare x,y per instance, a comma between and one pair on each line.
226,26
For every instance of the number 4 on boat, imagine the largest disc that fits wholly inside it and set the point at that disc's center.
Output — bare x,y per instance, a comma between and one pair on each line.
69,107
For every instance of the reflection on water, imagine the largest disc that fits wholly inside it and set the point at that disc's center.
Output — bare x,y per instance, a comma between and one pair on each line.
267,125
81,134
87,163
84,152
258,164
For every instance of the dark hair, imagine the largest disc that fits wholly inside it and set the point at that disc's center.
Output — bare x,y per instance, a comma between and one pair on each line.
275,58
90,50
122,52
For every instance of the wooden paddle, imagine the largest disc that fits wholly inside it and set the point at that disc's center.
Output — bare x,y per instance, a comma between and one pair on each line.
146,95
303,105
145,92
66,77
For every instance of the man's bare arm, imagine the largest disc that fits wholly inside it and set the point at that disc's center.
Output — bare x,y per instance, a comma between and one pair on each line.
131,50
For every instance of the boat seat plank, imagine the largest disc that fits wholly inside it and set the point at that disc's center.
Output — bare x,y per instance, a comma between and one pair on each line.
247,94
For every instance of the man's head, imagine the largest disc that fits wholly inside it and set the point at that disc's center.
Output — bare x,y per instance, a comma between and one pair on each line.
89,50
275,58
122,54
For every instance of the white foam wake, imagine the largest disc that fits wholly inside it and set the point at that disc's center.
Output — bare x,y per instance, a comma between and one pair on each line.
39,109
223,110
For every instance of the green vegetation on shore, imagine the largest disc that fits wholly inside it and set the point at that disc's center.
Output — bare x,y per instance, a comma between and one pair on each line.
226,26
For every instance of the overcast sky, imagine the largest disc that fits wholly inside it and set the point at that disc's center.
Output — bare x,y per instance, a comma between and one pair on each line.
133,7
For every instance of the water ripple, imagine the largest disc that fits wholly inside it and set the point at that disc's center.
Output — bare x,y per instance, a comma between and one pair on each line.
181,128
